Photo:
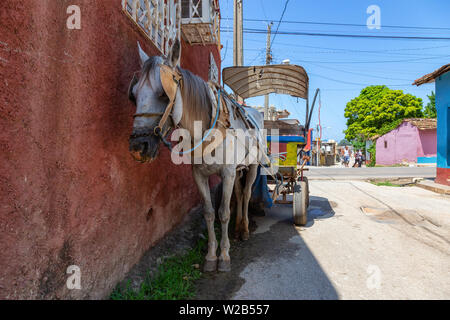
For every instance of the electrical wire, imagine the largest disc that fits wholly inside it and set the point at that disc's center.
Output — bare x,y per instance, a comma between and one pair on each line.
279,22
345,24
341,35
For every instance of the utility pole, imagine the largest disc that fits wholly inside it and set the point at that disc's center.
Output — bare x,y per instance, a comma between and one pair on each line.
268,61
318,147
238,43
238,38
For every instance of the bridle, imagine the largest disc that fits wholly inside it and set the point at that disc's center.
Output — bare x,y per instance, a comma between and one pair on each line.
171,82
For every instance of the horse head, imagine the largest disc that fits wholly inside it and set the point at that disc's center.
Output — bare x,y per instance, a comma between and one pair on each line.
159,107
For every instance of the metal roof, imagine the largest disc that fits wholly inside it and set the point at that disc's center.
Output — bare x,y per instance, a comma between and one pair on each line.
255,81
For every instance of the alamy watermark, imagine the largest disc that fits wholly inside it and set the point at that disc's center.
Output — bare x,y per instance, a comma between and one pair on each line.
74,20
374,20
374,279
230,146
74,280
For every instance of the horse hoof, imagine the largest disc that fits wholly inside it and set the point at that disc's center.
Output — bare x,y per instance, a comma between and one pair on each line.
224,266
245,236
210,266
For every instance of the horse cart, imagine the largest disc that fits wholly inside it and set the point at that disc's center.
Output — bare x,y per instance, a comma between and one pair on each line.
292,140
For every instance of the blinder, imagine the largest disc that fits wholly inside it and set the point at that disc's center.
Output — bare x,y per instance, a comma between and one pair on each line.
170,81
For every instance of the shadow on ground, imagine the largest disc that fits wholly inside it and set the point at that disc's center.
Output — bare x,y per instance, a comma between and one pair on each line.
275,263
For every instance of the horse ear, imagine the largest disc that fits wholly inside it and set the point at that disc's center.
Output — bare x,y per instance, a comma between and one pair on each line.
175,54
133,82
144,57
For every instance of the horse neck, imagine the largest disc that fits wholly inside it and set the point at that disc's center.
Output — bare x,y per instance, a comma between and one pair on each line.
189,118
193,113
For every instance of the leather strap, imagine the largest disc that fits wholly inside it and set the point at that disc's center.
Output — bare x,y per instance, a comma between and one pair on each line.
170,80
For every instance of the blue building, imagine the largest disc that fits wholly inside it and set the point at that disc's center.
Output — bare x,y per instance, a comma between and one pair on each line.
441,77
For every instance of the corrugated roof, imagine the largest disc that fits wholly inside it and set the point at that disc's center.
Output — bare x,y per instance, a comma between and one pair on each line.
256,81
420,123
432,76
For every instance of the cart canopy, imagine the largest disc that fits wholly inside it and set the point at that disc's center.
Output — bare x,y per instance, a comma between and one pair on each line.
255,81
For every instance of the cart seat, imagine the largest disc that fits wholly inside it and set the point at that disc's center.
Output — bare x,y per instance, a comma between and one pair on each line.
287,139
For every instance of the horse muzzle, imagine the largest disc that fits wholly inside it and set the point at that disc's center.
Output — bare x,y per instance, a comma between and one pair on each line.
144,147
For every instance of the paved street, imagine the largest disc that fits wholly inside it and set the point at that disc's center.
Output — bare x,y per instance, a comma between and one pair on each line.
327,173
361,242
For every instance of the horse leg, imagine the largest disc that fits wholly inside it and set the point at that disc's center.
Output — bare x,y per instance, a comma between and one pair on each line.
250,179
238,194
228,178
209,214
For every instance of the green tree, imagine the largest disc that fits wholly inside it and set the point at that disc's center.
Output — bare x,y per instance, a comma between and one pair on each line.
377,106
430,108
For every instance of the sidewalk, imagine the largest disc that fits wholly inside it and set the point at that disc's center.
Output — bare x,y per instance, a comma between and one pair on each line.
433,186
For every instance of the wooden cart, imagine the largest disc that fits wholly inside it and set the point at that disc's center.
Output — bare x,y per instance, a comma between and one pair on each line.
292,138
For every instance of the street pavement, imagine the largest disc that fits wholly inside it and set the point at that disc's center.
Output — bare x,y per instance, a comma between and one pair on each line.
361,242
334,173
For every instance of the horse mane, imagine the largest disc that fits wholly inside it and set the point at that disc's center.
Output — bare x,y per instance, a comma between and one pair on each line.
197,105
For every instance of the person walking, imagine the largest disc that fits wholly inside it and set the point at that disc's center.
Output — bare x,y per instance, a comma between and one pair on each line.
358,159
346,153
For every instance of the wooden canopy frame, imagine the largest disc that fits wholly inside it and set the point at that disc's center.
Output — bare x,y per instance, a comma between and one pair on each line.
255,81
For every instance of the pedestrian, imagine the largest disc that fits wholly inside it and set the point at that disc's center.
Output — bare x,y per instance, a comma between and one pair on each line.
346,153
358,159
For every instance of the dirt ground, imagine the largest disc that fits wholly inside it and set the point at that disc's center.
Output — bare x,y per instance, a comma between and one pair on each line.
361,242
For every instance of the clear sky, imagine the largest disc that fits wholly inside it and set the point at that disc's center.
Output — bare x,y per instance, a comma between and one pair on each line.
339,66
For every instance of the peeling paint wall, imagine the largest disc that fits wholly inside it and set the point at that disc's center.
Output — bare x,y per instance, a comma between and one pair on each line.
70,193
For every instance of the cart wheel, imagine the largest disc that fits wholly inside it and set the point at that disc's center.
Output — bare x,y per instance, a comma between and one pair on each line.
300,206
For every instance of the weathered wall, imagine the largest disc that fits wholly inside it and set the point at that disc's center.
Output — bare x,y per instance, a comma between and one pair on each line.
70,192
428,143
405,143
443,129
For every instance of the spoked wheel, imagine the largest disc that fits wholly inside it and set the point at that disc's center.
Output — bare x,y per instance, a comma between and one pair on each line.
300,204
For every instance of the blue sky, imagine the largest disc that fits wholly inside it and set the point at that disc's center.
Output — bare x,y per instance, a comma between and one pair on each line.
341,67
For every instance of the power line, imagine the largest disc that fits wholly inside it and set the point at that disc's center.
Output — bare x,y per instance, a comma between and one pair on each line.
345,24
355,50
357,83
340,35
360,74
384,61
279,22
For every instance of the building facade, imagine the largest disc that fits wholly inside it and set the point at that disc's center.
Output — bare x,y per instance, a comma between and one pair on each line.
441,77
70,192
412,141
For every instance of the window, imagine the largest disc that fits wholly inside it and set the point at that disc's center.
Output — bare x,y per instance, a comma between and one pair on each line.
385,144
200,21
191,8
160,20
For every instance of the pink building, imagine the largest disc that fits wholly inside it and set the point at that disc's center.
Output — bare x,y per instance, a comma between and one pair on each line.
414,140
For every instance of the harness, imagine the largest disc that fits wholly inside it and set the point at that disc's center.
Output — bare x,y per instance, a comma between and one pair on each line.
171,81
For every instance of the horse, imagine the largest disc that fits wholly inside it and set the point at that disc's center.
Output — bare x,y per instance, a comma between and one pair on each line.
168,97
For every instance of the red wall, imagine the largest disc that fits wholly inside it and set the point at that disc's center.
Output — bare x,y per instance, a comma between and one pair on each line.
70,193
443,176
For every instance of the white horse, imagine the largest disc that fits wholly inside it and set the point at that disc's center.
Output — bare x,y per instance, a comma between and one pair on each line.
169,97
